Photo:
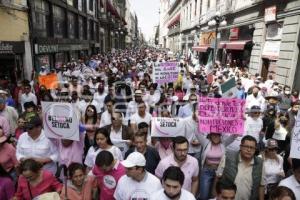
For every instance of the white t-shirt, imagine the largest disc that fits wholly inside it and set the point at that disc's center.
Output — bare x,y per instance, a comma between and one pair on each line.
136,119
100,99
272,168
293,184
130,189
105,119
92,154
253,127
185,195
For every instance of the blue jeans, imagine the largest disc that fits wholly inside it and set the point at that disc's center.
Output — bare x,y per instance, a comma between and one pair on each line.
206,182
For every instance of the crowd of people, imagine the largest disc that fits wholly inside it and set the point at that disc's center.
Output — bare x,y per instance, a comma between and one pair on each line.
116,157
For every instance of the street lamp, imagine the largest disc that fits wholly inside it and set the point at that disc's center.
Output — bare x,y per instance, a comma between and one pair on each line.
217,21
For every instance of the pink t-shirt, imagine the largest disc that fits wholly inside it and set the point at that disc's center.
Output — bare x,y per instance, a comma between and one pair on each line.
48,184
190,168
8,158
107,181
214,154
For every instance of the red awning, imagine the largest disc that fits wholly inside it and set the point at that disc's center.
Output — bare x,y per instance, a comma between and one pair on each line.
236,45
110,8
174,21
202,48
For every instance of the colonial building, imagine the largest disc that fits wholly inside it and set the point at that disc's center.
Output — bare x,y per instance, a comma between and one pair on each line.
260,35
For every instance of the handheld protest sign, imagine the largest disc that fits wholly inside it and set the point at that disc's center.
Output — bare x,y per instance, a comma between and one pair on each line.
220,115
166,72
60,121
167,127
295,142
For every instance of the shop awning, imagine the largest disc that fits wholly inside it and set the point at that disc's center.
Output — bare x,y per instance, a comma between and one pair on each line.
235,45
202,48
271,50
174,21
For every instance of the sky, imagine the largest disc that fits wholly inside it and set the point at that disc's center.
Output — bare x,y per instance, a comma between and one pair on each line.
147,14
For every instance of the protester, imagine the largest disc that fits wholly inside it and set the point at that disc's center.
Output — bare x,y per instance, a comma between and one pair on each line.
106,115
27,96
10,114
244,169
188,164
107,171
273,165
151,155
101,142
137,183
7,188
172,182
140,116
34,144
35,181
293,182
282,193
79,186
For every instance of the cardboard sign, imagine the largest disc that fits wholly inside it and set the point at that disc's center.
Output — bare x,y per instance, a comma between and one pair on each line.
166,127
60,120
49,81
295,145
165,72
219,115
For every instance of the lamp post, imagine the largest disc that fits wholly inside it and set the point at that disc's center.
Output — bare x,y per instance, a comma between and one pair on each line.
216,21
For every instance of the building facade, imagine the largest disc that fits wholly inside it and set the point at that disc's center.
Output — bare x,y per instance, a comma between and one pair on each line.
51,33
260,35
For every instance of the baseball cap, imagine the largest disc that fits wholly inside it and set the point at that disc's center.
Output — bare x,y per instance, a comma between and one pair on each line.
134,159
138,93
271,143
32,120
255,109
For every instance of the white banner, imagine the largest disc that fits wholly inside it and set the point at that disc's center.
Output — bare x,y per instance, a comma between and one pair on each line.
295,146
165,72
60,120
167,127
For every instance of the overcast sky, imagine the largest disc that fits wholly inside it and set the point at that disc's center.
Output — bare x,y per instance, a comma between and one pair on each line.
147,13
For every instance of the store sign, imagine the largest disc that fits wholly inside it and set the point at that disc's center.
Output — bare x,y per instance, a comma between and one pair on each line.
40,49
271,50
207,38
7,47
270,14
234,33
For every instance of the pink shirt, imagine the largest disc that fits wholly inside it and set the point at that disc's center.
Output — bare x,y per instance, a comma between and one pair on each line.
214,154
48,184
5,125
84,194
190,168
8,158
107,181
72,153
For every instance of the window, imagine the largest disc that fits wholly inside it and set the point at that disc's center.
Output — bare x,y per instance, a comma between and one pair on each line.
71,25
59,21
80,28
91,5
91,29
41,18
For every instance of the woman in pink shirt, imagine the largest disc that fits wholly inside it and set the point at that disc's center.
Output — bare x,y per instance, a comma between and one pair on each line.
35,181
8,158
79,186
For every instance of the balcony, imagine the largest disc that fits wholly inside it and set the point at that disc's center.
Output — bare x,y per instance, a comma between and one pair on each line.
175,30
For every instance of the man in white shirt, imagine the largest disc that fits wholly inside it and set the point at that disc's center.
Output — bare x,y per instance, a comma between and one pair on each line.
255,99
34,144
293,182
106,115
137,183
27,96
140,116
172,181
187,110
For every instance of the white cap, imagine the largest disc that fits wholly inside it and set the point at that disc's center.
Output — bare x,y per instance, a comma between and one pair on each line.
134,159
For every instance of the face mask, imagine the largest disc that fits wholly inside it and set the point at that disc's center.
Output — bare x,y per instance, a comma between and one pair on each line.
287,92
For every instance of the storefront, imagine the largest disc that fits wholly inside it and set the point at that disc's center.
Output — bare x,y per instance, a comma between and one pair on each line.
235,46
11,62
206,45
56,55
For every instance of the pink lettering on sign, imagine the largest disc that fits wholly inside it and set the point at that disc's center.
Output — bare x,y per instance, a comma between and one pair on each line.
220,115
